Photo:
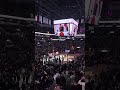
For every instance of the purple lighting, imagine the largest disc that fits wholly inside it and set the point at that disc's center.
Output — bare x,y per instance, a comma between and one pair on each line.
110,12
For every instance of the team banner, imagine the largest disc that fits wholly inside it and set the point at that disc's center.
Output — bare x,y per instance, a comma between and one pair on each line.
94,11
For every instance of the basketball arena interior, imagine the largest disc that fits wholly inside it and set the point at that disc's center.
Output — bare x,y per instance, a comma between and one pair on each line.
59,45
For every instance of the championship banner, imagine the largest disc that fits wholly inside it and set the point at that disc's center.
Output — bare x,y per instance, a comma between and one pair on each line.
94,11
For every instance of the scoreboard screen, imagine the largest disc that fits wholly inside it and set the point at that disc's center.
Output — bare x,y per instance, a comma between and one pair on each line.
65,27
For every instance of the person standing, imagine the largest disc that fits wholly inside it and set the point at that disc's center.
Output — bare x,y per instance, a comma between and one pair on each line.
75,85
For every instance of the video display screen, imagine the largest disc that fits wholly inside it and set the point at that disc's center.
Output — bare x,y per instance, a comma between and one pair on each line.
65,27
62,29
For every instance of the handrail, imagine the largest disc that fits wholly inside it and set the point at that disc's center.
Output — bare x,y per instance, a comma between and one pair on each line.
83,35
15,17
117,21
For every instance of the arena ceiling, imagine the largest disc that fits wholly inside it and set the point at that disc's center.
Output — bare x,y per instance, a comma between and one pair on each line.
57,9
21,8
54,9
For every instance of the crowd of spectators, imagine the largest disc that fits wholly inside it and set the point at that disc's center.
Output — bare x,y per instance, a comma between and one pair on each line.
102,49
16,57
45,44
57,76
106,80
21,70
69,76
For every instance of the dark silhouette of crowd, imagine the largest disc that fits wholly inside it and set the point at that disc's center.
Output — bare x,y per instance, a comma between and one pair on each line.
107,80
16,56
102,49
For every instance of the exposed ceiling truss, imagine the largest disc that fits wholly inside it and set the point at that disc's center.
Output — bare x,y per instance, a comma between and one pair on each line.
57,9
